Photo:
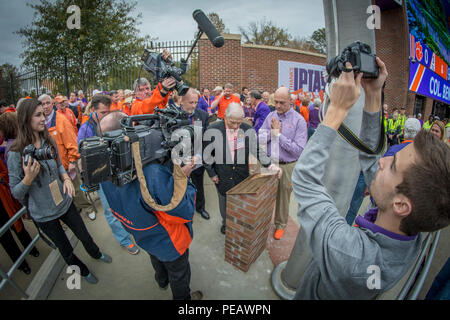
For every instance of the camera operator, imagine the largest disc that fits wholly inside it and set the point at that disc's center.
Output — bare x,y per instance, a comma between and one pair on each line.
407,188
101,107
165,234
147,100
46,189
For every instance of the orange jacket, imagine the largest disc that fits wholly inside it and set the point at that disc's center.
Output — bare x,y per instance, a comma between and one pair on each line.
10,109
66,140
80,114
304,112
147,106
115,106
126,108
11,205
70,116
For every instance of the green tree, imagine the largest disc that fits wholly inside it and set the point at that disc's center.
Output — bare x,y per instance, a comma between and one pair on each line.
319,40
108,37
10,83
265,32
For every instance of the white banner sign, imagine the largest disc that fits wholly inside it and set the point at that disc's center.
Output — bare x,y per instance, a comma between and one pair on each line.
301,77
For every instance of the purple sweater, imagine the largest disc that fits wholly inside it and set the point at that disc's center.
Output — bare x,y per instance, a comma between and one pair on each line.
262,111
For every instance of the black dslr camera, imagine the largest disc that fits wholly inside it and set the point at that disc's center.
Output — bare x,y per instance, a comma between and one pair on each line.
109,158
360,56
154,63
44,153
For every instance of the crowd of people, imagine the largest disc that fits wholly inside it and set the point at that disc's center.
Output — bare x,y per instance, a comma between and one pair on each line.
290,128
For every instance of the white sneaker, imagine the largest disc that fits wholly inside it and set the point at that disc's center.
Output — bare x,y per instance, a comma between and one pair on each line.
91,215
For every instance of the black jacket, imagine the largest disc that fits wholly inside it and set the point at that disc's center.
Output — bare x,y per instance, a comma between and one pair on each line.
232,174
200,115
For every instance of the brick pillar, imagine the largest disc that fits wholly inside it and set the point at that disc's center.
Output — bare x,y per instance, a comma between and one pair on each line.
250,206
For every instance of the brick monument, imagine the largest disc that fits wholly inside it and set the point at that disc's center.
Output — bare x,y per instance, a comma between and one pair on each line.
250,207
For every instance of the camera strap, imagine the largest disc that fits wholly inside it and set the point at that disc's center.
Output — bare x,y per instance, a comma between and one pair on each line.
180,183
349,136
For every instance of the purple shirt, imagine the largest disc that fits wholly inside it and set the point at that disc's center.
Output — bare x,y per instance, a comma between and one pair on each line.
367,222
293,138
204,104
262,111
248,112
314,118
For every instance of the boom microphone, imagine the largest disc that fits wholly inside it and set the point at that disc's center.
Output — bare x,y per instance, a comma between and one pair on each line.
207,27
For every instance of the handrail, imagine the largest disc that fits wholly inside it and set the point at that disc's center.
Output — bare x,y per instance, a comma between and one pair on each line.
426,268
7,276
412,281
12,220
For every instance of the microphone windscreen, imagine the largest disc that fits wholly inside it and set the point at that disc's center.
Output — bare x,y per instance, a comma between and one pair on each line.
207,27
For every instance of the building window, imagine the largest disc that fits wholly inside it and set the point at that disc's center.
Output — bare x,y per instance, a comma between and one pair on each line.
419,105
441,110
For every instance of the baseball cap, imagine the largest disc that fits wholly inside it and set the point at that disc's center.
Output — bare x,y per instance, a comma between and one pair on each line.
96,92
60,99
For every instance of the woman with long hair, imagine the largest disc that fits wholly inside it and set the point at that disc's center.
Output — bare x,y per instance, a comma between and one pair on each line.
44,186
438,129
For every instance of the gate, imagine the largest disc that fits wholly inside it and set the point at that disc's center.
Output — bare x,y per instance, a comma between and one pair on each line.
108,74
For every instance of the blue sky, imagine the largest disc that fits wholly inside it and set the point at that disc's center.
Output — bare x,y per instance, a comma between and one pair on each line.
172,19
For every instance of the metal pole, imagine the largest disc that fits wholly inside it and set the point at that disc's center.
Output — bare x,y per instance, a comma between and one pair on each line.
341,20
66,77
13,95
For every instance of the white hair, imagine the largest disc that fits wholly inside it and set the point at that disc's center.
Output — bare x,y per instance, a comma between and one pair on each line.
412,128
317,102
140,82
234,110
45,97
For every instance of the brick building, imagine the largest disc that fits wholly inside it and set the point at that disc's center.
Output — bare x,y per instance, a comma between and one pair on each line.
392,44
256,66
246,65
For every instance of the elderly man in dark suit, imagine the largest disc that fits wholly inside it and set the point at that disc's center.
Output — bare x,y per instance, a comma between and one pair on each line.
197,117
226,156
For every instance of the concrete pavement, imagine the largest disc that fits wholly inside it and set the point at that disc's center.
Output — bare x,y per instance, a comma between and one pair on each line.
132,277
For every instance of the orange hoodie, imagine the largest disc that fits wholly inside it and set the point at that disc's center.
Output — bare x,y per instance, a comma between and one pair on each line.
66,140
147,106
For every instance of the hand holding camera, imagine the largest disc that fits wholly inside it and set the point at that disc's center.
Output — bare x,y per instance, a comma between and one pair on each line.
31,169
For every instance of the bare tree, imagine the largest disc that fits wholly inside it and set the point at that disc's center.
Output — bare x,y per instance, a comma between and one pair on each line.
265,32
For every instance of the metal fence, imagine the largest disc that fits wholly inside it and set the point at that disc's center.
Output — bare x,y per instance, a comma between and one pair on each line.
6,277
108,75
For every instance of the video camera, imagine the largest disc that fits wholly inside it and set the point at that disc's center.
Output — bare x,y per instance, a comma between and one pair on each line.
360,56
154,63
109,158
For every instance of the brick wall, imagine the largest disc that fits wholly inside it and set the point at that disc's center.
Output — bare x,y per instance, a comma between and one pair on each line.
243,65
392,43
248,219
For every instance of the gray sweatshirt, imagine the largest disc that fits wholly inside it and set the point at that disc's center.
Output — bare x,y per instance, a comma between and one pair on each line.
38,197
347,262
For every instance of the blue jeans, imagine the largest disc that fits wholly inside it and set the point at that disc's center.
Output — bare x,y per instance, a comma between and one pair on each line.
357,199
122,236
